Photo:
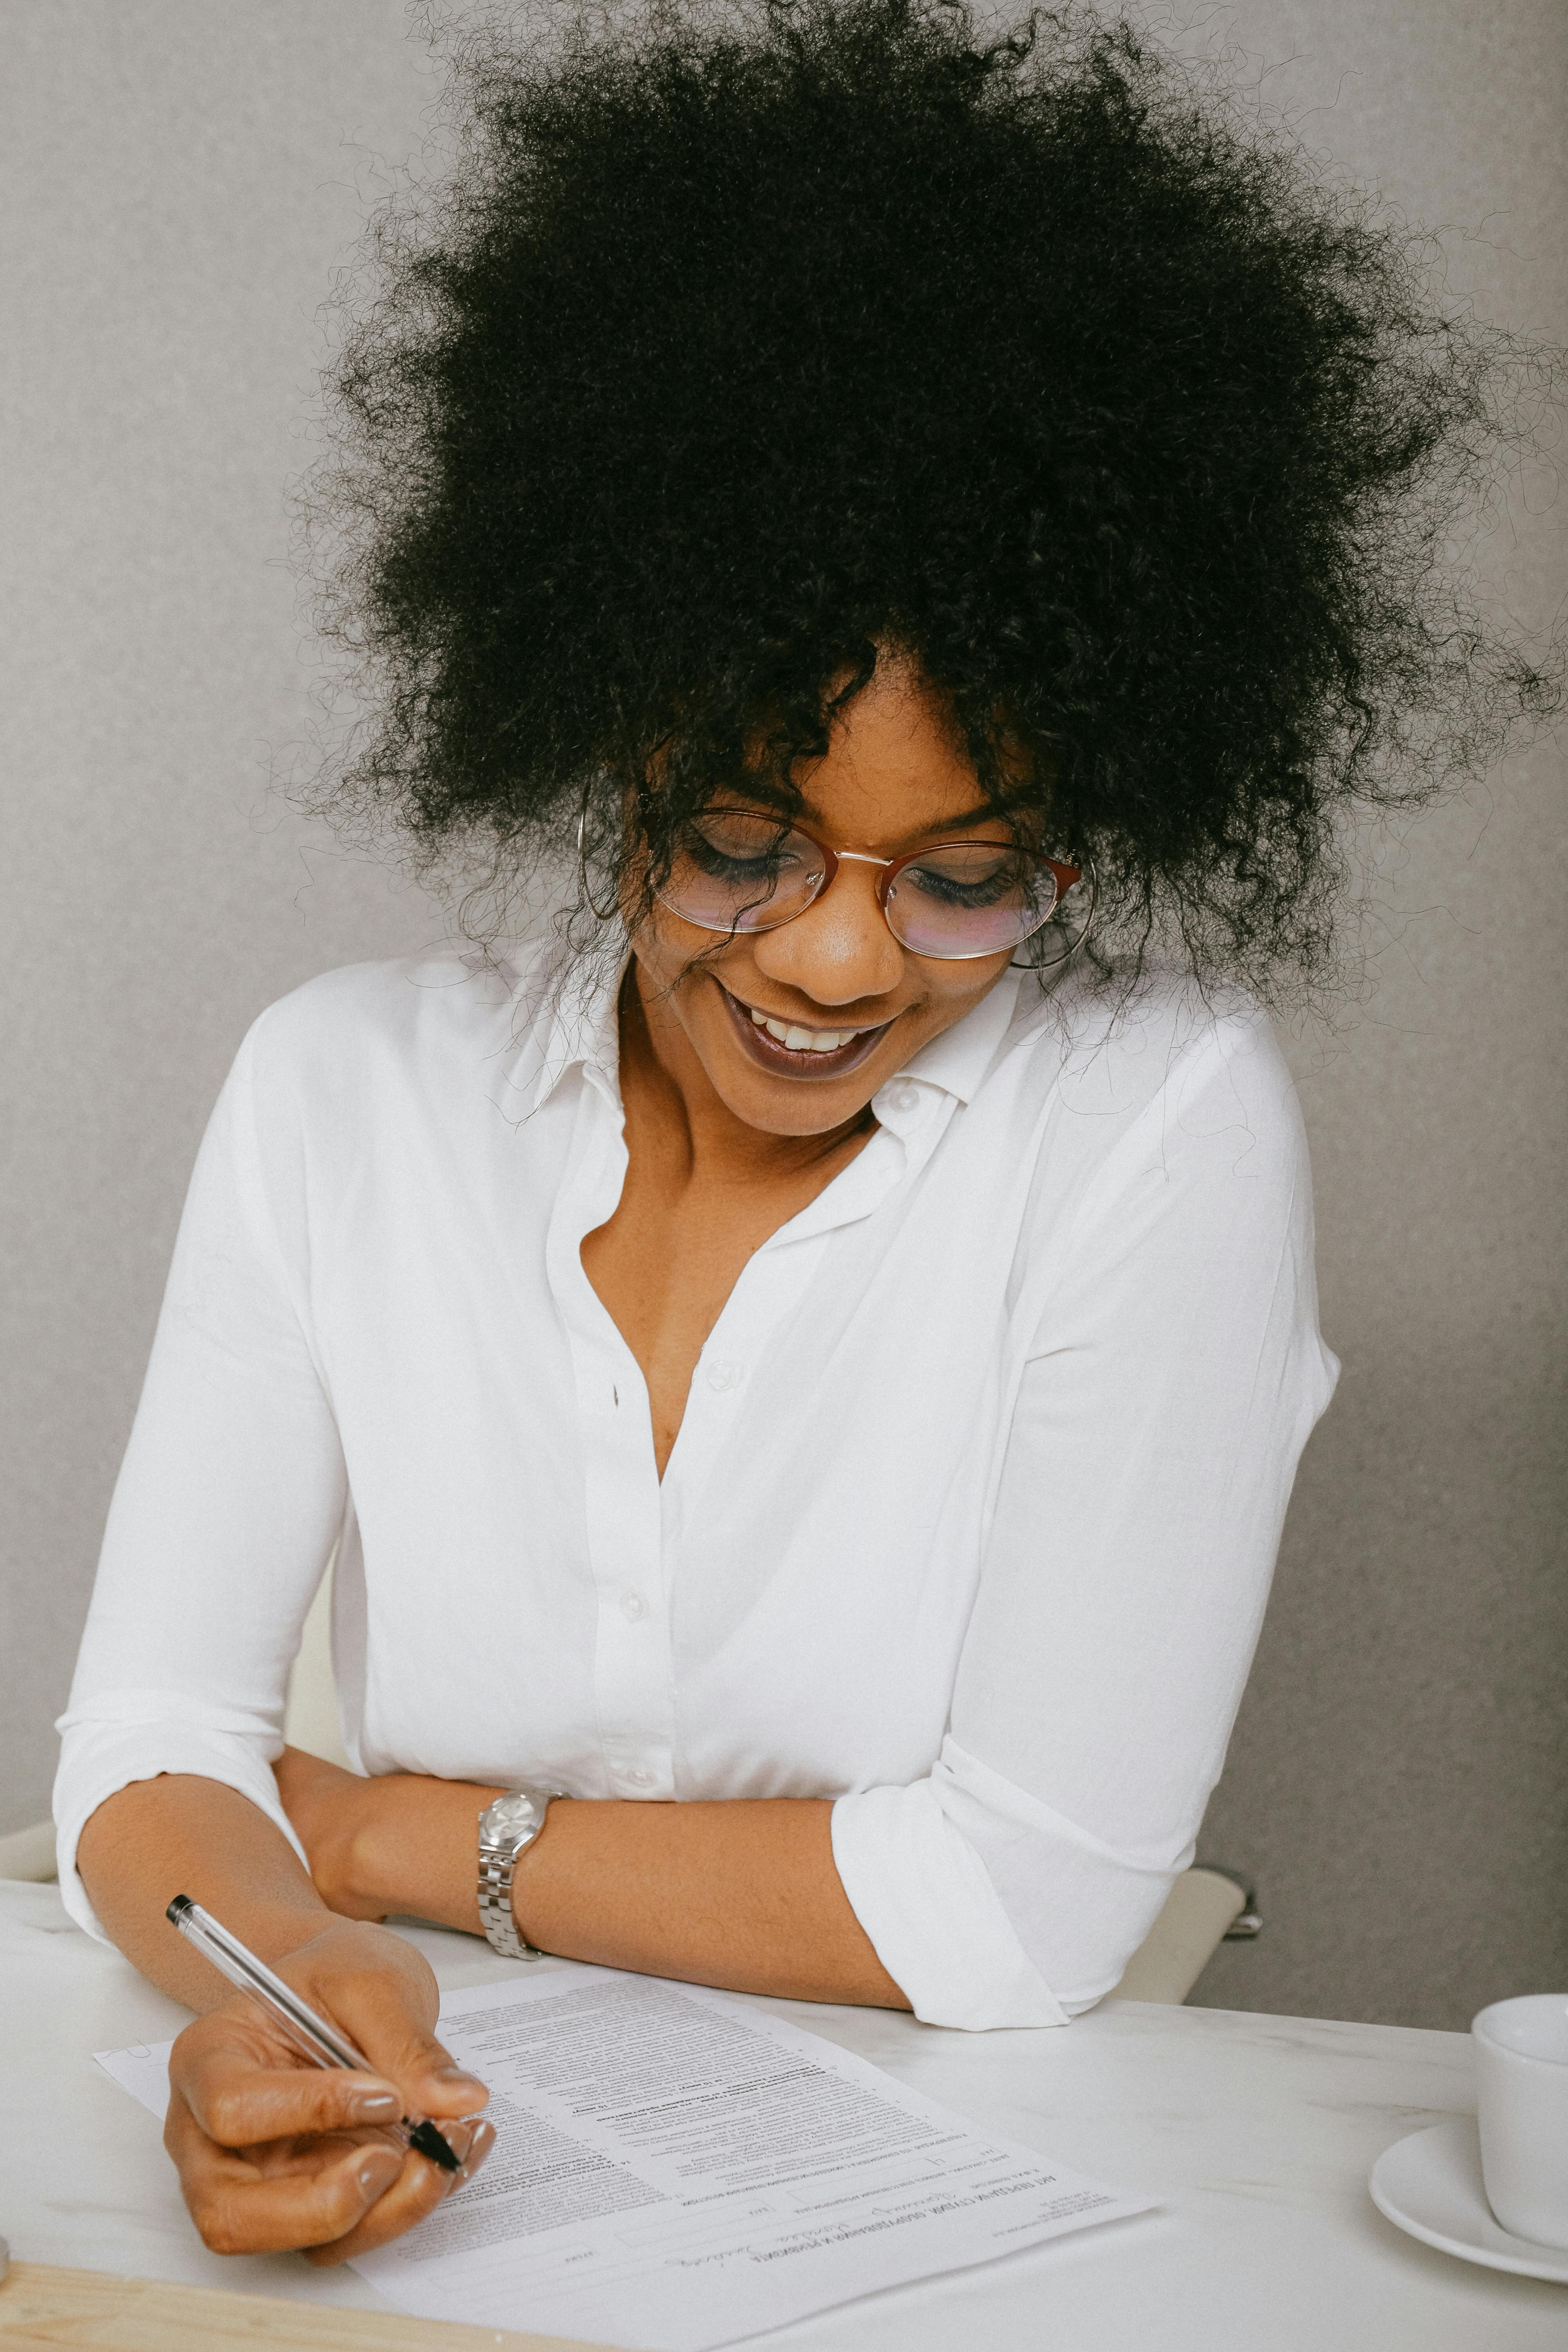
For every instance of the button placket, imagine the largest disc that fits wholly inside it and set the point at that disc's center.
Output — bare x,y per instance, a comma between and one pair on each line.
770,1285
622,1505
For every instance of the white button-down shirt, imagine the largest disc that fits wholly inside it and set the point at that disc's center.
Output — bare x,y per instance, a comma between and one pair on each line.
969,1524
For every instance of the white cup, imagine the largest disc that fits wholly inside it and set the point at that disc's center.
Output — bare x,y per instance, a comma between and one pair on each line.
1521,2097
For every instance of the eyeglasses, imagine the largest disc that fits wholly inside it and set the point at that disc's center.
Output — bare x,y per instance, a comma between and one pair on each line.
737,870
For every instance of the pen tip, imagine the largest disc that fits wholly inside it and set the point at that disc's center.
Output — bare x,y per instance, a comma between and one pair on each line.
177,1909
429,2142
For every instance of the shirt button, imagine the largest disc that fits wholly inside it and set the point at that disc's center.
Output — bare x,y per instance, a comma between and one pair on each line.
904,1099
632,1606
639,1776
722,1376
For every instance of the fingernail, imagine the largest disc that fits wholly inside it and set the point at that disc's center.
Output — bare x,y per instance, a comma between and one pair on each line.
372,2106
378,2172
459,2077
484,2139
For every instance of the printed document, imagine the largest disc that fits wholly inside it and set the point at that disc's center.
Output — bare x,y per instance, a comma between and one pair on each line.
674,2169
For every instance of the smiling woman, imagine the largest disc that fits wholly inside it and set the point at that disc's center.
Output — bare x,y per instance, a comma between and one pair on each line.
804,1363
748,1070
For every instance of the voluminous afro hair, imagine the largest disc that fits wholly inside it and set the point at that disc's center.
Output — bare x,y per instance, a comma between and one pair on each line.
742,345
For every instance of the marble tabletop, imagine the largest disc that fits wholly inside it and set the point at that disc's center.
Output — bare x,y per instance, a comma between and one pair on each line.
1256,2133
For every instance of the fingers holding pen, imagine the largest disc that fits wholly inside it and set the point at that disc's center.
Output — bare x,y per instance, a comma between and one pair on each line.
238,2105
330,2194
380,1993
273,2154
414,2194
271,2200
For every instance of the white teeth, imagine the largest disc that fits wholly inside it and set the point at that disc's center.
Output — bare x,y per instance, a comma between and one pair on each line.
799,1040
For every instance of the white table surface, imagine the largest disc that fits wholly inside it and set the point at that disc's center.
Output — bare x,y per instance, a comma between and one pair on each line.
1257,2134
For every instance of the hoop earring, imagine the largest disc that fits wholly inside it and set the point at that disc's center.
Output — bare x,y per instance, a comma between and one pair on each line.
601,914
1061,962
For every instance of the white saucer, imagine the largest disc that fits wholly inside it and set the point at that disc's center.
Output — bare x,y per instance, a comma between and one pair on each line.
1430,2184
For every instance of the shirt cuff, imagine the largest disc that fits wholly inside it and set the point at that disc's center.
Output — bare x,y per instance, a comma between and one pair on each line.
1078,1905
923,1895
96,1763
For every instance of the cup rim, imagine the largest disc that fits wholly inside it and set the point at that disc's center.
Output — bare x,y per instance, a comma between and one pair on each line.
1482,2027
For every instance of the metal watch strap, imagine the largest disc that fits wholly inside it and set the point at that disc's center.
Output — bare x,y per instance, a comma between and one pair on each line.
495,1906
498,1861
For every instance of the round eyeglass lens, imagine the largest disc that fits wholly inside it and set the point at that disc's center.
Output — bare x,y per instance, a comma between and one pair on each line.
970,898
734,870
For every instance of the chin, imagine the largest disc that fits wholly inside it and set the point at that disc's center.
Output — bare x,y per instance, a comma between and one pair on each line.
786,1107
820,1116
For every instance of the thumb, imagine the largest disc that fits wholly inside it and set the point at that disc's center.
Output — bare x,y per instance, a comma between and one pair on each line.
399,2045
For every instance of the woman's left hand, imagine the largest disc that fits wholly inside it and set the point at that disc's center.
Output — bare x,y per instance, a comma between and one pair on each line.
397,1842
331,1812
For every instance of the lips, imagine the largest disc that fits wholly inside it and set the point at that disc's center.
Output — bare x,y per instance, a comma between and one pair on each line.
797,1061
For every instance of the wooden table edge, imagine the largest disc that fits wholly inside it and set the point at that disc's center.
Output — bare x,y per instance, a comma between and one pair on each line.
42,2305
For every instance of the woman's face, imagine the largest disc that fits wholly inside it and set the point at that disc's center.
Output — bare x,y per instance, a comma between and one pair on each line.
893,779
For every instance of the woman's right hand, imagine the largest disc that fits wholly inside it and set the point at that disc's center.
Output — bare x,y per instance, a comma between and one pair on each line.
274,2153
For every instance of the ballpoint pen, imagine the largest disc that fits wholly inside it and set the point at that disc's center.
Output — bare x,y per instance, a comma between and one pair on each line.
320,2043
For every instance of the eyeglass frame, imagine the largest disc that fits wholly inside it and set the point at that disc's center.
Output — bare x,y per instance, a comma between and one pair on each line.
1064,875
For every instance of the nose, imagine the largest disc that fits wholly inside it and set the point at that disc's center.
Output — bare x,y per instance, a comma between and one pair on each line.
840,950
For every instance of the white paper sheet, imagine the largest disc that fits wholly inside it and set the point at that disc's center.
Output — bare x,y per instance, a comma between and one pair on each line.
674,2171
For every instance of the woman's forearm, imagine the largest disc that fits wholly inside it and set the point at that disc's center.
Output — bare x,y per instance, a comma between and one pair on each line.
741,1893
182,1835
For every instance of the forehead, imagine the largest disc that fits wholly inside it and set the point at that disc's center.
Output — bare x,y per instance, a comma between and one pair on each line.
895,769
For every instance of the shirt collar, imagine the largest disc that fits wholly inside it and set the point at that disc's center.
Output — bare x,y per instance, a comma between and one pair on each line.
576,1026
959,1059
573,1001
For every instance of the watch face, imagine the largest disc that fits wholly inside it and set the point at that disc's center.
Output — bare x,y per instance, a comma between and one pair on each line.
508,1818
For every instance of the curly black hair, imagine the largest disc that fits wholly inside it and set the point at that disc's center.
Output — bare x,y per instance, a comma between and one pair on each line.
743,345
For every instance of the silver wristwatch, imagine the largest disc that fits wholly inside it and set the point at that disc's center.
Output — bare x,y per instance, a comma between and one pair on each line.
507,1827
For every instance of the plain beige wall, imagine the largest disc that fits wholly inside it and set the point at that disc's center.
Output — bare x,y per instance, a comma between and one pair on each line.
179,179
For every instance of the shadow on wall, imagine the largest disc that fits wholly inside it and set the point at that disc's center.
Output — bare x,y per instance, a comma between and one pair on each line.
1398,1778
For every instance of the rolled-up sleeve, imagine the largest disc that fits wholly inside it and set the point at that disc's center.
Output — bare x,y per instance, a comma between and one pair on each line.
1171,1373
228,1501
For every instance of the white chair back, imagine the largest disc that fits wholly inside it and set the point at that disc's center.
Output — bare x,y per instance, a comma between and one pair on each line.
311,1708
